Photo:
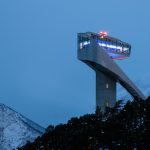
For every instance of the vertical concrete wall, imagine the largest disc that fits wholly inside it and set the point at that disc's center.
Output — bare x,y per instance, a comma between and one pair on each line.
105,90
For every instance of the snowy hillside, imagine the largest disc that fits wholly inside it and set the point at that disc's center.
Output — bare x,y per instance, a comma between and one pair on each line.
15,129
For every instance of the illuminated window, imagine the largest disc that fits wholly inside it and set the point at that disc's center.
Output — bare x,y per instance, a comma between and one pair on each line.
81,46
83,42
107,85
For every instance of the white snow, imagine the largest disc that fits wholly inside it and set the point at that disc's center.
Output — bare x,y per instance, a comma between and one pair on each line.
15,129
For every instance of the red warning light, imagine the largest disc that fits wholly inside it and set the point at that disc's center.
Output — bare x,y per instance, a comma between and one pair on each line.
103,34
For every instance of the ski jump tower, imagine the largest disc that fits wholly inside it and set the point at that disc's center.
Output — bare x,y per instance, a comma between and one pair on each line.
99,51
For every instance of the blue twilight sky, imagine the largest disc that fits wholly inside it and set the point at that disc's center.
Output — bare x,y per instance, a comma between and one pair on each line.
40,75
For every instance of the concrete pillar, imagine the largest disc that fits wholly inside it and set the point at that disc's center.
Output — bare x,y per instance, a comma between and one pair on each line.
105,90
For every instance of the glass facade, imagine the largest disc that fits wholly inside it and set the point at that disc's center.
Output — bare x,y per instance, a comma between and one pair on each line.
83,42
116,49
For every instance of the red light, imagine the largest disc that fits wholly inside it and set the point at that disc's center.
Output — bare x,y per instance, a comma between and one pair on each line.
103,34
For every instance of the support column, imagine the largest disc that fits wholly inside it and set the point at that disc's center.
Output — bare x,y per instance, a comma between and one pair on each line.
105,90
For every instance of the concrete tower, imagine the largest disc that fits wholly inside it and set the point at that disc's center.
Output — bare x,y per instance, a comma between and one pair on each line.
99,51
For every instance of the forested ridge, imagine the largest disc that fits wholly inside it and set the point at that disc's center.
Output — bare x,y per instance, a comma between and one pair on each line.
123,127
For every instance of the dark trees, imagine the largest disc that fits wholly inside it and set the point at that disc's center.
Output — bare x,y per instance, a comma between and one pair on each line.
122,127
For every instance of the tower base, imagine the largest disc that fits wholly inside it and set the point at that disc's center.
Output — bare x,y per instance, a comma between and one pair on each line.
105,91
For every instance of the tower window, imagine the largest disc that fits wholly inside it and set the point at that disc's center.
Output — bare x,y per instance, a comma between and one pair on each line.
107,85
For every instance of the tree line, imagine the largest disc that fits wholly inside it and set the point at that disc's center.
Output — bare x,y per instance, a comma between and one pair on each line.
123,127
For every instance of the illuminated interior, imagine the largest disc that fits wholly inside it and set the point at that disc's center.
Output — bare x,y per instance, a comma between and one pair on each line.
116,49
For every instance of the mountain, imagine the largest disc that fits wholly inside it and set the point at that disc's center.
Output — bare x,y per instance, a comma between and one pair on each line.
15,129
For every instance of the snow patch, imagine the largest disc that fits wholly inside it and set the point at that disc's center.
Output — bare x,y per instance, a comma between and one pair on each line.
15,129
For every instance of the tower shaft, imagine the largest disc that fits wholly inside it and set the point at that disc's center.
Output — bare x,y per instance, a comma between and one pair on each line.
105,90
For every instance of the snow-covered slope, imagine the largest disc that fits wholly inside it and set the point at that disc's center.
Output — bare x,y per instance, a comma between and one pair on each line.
15,129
